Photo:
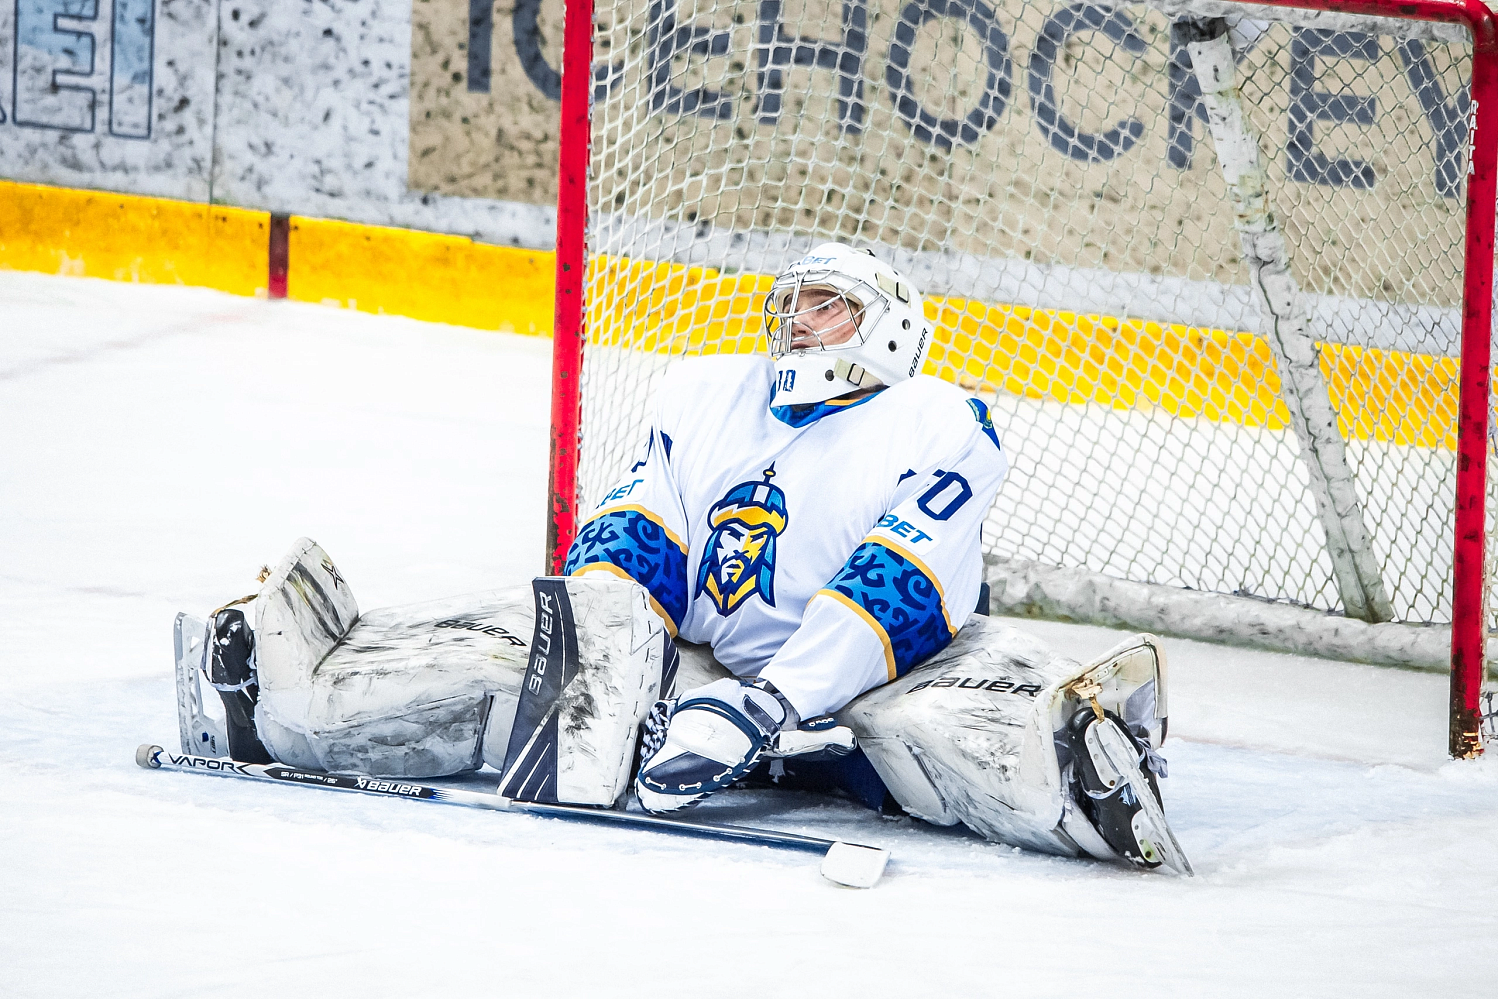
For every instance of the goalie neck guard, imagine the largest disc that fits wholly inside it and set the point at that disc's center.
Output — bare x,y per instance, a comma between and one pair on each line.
888,345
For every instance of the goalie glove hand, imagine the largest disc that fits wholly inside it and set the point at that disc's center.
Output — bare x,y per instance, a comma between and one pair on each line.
712,736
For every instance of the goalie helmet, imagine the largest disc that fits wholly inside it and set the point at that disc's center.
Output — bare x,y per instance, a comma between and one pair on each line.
888,345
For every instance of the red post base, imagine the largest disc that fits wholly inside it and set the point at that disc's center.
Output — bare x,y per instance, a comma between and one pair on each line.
279,255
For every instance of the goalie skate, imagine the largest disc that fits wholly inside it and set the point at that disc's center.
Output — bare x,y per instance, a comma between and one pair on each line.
1118,792
199,733
231,671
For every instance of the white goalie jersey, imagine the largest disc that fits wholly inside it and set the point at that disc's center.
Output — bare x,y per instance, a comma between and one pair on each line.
827,549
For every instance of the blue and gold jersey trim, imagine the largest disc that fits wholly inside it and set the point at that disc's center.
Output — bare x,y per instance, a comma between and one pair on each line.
899,598
806,415
631,542
901,552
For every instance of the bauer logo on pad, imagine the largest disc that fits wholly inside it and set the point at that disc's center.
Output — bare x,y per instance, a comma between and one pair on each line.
600,657
530,771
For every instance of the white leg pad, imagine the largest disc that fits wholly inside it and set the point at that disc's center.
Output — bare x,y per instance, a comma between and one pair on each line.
400,692
969,736
600,657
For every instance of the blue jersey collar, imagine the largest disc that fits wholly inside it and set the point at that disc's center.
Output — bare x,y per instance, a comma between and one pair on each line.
806,415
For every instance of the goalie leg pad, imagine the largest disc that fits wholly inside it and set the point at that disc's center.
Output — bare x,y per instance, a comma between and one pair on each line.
399,692
303,610
966,737
410,690
977,734
600,657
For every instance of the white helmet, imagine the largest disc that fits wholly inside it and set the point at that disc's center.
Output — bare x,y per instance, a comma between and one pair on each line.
889,345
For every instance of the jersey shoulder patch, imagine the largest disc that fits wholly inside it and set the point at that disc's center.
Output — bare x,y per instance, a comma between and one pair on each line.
944,411
985,420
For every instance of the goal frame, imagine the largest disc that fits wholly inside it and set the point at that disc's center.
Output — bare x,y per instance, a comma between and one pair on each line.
1468,614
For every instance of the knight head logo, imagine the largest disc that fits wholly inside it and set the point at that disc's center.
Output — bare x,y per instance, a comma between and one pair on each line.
740,557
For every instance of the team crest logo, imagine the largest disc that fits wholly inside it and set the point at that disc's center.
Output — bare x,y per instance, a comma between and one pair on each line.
740,558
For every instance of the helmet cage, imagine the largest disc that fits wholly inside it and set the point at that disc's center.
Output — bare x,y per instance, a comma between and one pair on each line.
866,306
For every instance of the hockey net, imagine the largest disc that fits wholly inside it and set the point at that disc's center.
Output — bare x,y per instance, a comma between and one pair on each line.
1224,356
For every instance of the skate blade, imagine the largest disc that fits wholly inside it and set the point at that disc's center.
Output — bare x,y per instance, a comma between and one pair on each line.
1155,836
854,866
197,732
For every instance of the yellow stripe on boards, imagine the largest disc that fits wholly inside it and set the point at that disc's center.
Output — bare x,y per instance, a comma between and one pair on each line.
674,309
424,275
380,269
1041,354
1122,363
124,237
1393,396
1050,354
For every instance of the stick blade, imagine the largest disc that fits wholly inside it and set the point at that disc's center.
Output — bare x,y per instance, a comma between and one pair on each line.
854,866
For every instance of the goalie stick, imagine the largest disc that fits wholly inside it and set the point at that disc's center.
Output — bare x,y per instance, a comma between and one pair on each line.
849,864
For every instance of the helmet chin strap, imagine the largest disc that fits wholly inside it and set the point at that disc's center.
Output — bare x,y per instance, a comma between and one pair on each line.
808,377
856,375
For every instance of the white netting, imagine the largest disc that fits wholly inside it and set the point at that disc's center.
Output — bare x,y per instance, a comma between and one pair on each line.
1045,174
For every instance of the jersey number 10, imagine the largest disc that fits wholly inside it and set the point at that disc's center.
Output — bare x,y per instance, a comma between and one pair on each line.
940,490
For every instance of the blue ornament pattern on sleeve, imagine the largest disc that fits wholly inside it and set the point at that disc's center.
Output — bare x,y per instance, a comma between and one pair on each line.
898,594
642,549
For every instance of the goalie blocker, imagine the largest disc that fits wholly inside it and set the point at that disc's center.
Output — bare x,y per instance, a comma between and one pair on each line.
989,733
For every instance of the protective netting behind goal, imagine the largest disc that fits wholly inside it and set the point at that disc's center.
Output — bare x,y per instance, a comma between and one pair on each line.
1046,174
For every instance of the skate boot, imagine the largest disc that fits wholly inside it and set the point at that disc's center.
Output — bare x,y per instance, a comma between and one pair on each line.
1118,792
231,671
706,740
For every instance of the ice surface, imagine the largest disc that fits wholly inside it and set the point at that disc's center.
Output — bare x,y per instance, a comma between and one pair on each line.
161,444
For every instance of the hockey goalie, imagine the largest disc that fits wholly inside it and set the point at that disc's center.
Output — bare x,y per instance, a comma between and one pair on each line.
784,586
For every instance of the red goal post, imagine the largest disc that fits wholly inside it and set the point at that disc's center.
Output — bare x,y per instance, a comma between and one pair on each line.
581,76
